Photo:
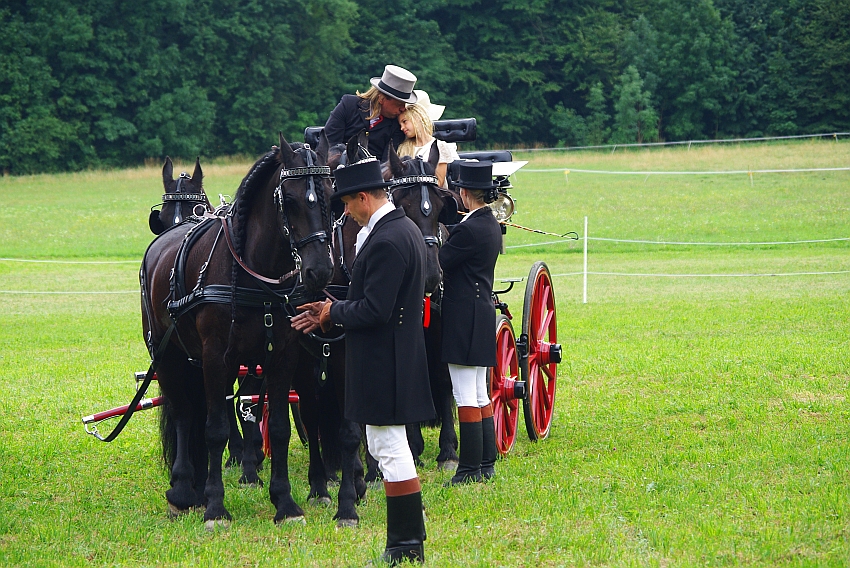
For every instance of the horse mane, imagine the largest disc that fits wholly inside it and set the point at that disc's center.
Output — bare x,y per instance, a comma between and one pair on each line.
255,180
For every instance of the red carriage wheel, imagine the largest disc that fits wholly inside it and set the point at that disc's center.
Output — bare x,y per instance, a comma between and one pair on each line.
539,367
503,386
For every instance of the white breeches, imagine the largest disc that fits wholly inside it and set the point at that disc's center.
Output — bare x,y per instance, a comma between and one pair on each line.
388,445
469,385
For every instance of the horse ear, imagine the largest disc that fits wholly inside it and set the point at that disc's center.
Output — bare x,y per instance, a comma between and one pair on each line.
198,174
396,167
285,150
167,171
322,150
363,140
351,148
434,156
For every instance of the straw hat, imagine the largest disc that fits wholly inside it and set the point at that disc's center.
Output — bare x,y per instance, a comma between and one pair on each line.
434,111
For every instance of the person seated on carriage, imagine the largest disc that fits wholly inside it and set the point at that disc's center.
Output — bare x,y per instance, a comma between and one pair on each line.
374,111
468,259
417,123
386,370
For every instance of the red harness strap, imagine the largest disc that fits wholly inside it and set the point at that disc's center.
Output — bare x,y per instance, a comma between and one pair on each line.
426,312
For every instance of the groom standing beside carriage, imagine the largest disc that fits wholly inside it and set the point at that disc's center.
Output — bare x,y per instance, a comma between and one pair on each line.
386,371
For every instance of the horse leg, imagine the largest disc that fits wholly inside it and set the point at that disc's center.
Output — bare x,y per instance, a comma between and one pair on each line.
178,423
372,471
305,386
280,489
216,378
352,487
234,440
416,442
252,453
447,459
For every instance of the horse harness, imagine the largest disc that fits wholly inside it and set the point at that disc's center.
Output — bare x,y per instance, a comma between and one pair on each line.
181,301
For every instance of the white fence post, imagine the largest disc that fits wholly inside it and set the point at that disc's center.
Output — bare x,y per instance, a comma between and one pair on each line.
585,260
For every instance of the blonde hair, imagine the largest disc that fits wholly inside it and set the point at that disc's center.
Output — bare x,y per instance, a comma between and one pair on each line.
374,105
422,127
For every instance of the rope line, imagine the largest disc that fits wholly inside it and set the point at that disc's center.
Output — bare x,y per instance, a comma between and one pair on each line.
56,293
69,261
639,241
706,173
834,135
741,275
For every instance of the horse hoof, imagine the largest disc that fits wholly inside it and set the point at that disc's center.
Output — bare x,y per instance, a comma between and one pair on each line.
347,523
448,465
293,520
320,501
214,524
258,483
174,512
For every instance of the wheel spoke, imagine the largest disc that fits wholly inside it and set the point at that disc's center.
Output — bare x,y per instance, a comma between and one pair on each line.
547,322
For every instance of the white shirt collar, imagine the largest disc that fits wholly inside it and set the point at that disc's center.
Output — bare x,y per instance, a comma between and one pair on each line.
384,209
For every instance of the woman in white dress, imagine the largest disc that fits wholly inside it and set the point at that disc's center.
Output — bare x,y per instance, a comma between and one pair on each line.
417,124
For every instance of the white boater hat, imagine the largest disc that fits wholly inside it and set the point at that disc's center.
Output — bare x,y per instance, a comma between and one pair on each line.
397,83
434,111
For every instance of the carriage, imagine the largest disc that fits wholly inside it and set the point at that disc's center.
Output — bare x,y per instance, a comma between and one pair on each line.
526,369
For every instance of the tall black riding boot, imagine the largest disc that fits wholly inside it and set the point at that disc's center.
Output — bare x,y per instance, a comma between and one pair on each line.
405,523
488,454
471,446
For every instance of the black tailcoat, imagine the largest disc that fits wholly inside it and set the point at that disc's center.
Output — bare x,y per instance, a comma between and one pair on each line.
351,116
468,260
386,372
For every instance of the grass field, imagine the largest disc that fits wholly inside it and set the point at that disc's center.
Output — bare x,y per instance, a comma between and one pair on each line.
700,420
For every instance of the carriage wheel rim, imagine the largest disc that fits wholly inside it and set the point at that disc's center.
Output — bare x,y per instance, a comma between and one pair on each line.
505,408
541,330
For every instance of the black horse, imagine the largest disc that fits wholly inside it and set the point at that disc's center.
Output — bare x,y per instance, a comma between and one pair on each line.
180,199
278,225
183,198
416,198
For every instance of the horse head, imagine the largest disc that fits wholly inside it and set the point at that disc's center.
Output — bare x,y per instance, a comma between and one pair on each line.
414,188
302,198
180,199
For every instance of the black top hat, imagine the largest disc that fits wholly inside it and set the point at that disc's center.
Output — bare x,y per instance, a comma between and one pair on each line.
476,175
359,176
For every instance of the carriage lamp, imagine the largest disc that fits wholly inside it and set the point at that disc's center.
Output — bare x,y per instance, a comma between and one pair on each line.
503,207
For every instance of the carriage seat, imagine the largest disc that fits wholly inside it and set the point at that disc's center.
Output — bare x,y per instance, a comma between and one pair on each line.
488,156
456,130
311,135
453,170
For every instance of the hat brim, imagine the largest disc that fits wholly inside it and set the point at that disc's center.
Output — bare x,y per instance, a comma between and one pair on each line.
358,188
435,111
376,82
475,185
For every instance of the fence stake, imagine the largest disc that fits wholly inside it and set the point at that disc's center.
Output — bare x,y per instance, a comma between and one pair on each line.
585,260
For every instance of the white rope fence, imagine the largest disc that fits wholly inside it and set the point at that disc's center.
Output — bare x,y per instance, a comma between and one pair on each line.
613,147
585,272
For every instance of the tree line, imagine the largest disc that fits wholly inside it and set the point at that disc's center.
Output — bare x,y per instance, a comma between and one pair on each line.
99,83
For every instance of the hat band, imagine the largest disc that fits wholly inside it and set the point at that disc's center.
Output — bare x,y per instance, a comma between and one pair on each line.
394,92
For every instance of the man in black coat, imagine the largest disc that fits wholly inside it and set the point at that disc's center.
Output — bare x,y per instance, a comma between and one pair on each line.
386,371
375,111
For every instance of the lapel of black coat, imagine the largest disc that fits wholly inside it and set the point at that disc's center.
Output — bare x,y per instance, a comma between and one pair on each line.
397,213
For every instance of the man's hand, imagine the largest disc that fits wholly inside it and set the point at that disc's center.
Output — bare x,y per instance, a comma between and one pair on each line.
312,316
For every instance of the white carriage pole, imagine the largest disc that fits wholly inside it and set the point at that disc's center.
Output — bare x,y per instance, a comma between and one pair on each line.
585,260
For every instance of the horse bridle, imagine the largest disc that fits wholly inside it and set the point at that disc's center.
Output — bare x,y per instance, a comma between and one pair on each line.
423,180
179,197
314,174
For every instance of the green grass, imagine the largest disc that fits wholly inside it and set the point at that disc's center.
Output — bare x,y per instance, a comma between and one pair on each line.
699,421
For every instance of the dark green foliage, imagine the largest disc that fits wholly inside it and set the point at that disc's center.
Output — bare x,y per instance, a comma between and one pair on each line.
89,83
